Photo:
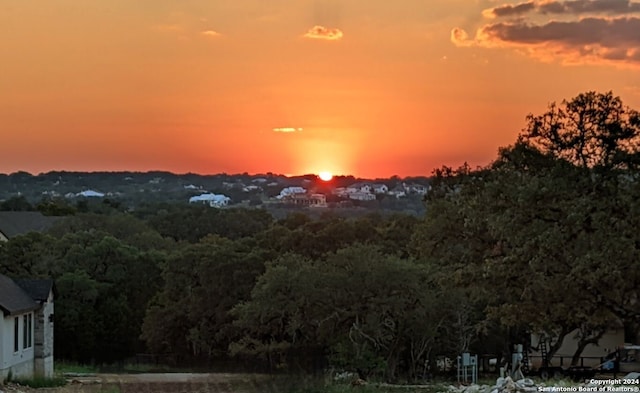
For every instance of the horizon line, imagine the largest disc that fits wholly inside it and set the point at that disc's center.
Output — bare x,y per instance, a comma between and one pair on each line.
255,174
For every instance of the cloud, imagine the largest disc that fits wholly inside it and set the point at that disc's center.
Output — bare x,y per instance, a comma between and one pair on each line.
459,37
287,129
509,10
210,33
324,33
581,39
576,7
569,7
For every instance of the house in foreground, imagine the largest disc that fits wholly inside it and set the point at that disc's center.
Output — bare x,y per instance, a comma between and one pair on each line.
14,224
26,328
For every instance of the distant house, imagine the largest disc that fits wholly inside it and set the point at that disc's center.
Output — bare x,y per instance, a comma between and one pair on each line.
213,200
26,328
290,191
13,224
362,196
311,200
359,188
399,191
251,187
90,194
378,188
416,189
339,191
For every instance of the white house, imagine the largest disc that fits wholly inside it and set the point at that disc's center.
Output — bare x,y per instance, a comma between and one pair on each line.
26,328
416,188
362,196
379,188
90,194
311,200
290,191
213,200
359,187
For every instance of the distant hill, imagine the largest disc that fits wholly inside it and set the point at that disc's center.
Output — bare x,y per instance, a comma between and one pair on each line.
130,189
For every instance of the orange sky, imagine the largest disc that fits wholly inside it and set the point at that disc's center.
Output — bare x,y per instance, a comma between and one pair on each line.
379,88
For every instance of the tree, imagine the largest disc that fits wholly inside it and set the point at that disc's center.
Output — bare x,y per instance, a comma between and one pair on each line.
202,283
368,310
16,204
600,135
554,205
592,130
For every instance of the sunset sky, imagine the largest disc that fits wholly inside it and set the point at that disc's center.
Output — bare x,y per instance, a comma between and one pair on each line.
372,88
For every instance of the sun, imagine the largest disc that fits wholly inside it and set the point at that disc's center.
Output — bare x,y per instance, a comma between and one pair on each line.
325,176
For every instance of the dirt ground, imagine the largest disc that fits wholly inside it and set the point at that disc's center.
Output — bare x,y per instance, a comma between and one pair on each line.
156,383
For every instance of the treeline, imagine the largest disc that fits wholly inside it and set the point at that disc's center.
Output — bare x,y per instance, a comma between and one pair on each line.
544,239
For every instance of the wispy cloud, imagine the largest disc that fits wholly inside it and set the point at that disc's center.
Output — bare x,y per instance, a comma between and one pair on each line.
210,33
324,33
609,36
287,129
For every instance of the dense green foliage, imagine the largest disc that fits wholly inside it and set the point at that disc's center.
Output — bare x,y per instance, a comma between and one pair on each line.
544,239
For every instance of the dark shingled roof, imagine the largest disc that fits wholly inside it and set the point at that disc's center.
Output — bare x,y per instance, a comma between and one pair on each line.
19,223
37,289
13,299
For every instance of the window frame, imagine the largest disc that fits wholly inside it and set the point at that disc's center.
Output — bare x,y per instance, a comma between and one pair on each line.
16,335
30,329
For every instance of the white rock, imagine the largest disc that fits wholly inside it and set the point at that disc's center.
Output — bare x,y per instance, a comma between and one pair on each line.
472,389
527,382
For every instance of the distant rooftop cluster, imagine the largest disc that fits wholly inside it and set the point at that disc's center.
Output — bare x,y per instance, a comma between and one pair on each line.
218,191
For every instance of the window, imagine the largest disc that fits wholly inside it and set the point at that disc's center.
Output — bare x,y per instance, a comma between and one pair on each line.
16,332
26,331
30,340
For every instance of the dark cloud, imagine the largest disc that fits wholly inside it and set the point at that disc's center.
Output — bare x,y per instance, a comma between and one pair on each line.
507,10
569,7
606,32
587,40
576,7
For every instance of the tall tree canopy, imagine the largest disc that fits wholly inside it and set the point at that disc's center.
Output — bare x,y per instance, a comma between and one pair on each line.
544,235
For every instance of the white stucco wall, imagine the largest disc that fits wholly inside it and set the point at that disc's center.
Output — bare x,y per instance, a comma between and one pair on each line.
20,363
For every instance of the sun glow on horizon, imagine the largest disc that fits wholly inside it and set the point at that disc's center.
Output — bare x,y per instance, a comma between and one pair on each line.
325,176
